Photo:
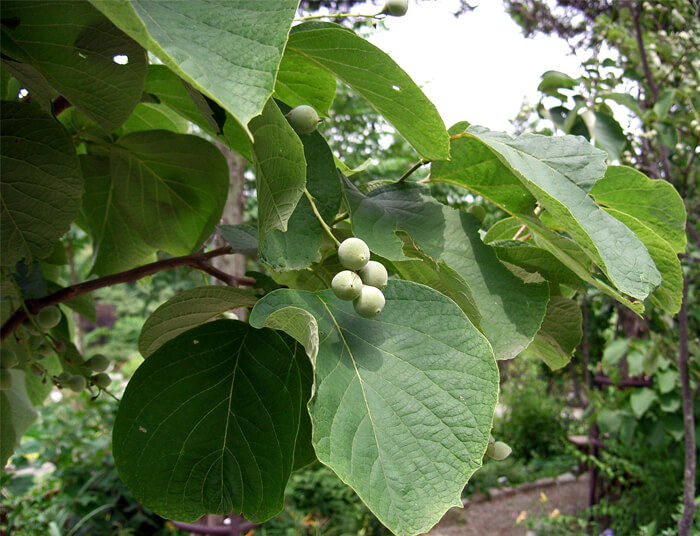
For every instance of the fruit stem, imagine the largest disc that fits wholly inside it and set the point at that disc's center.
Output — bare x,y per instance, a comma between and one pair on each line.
413,168
319,218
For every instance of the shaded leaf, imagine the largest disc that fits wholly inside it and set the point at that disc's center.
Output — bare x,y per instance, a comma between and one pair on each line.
208,424
403,403
16,415
41,183
560,333
641,400
301,81
242,238
73,46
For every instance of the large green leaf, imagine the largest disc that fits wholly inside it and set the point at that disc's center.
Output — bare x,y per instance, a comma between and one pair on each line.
16,415
655,212
403,402
208,423
559,172
511,311
74,47
157,190
170,90
533,259
154,116
189,309
228,50
298,246
560,333
656,203
41,183
280,169
300,81
375,76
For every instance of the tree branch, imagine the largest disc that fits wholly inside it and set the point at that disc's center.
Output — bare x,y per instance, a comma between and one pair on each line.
689,506
636,12
196,260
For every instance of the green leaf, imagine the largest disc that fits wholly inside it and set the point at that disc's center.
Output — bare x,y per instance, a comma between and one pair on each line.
73,46
169,89
301,81
641,400
317,277
559,173
667,380
437,275
16,414
208,423
654,202
511,311
560,333
664,102
297,323
535,260
41,183
655,212
403,403
84,305
152,116
553,81
158,190
298,246
33,81
280,166
189,309
626,100
229,51
608,135
377,78
242,238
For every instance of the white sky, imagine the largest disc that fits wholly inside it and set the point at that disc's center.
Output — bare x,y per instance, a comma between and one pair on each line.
477,67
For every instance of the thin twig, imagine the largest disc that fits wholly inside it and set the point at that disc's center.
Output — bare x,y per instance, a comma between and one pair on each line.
73,291
410,171
320,218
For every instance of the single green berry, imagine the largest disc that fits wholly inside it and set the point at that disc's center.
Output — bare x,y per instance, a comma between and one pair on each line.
353,253
36,342
8,358
347,285
75,383
98,363
395,8
500,451
28,327
101,380
478,211
64,376
5,379
48,317
370,302
374,274
303,119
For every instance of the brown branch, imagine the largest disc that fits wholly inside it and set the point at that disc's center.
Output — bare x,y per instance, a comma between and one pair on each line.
636,12
622,384
692,232
689,506
230,279
196,260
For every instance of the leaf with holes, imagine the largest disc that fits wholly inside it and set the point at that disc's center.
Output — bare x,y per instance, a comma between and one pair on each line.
229,50
403,403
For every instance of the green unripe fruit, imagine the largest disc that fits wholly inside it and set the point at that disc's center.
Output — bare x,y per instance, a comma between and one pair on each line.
5,379
98,363
29,327
353,253
396,8
303,119
374,274
75,383
8,358
64,376
101,380
478,211
370,302
36,342
48,317
347,285
500,451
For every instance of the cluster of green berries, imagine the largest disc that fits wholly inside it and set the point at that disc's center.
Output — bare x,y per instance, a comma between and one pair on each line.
77,382
363,281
